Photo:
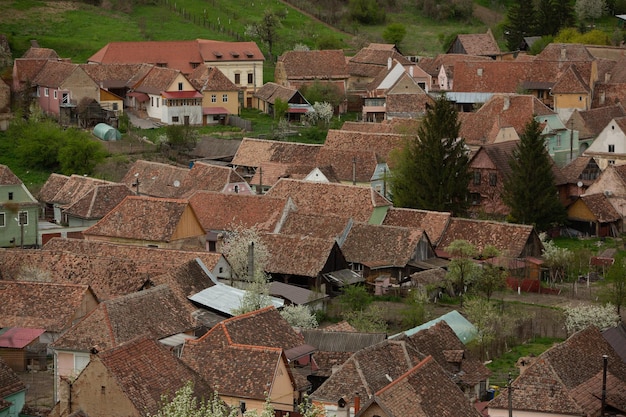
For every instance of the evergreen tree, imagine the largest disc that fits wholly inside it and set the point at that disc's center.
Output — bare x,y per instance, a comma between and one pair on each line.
431,172
529,189
564,14
547,22
520,22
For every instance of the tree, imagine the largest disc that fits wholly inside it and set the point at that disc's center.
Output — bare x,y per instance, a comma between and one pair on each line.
491,277
547,23
80,154
432,170
484,316
580,317
394,33
280,109
181,136
564,13
414,313
248,258
369,320
520,22
322,113
557,260
299,316
529,190
367,12
319,92
266,30
184,404
462,269
614,284
590,10
355,298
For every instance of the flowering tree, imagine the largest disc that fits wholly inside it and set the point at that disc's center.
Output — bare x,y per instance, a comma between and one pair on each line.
462,270
601,316
299,316
556,259
322,112
248,257
184,404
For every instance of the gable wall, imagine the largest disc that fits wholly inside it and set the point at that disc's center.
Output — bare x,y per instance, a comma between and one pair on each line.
374,410
580,211
610,135
188,226
608,181
231,104
80,86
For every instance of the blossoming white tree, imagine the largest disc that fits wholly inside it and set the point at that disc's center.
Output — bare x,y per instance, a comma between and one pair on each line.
580,317
299,316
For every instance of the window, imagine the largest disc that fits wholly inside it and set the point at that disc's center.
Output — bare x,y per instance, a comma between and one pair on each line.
115,106
46,92
611,148
213,98
475,198
224,98
55,94
180,86
10,195
237,79
250,78
558,141
212,246
493,179
23,218
611,162
2,220
476,177
157,101
175,119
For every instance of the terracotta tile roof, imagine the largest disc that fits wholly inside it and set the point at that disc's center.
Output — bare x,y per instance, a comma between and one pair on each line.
614,71
425,390
380,143
479,44
252,152
41,304
369,61
342,326
338,199
432,222
270,92
368,371
10,383
35,52
142,218
51,187
97,202
608,94
253,343
220,211
501,111
155,179
25,71
156,313
493,76
325,64
590,123
381,246
386,126
209,177
433,65
7,177
116,75
601,208
268,173
297,255
188,278
571,82
551,384
54,73
349,164
314,225
211,79
408,104
73,189
565,52
146,372
510,239
218,51
500,154
216,149
440,342
573,172
156,81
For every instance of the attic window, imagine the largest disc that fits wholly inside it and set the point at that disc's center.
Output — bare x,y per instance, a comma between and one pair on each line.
217,54
195,64
234,54
161,64
479,71
248,54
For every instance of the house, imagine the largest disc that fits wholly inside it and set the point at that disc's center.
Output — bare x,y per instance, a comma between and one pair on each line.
348,201
616,337
442,343
265,100
366,372
148,221
47,193
298,296
220,95
433,223
157,313
19,212
61,87
167,96
21,350
209,177
116,81
95,204
268,173
12,392
609,90
295,69
46,305
571,92
572,390
155,179
252,357
594,215
463,329
425,389
353,166
478,44
578,176
589,123
610,146
407,98
612,183
562,143
441,69
131,380
253,152
216,151
240,62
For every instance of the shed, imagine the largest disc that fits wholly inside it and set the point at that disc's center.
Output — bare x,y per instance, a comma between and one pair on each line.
106,132
463,329
20,346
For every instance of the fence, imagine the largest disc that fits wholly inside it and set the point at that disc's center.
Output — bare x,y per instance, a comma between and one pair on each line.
240,123
203,20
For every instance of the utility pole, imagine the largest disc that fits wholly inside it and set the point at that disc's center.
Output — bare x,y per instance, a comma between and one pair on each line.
510,389
605,360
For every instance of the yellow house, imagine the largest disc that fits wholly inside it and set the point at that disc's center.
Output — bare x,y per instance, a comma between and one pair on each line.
573,92
220,96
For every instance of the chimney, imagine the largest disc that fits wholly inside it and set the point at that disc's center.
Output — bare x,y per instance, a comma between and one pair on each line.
507,103
411,71
563,53
357,403
389,63
354,170
607,77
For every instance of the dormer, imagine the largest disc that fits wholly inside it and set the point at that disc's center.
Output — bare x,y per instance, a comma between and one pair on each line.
248,54
234,54
217,54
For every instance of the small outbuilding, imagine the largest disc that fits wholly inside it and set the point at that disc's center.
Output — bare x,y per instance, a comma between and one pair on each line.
106,132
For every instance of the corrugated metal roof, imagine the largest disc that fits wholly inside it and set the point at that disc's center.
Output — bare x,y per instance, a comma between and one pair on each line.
176,339
465,97
463,329
225,299
296,295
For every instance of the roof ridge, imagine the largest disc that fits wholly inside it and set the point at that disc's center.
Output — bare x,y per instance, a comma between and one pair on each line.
405,375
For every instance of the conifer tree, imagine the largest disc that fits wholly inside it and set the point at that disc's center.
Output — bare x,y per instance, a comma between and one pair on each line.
530,190
520,22
431,172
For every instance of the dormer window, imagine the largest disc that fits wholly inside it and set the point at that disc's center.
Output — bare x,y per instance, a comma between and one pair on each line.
217,54
180,86
161,64
234,54
248,54
194,65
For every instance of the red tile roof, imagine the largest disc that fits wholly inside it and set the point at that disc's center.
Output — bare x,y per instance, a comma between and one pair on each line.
97,202
432,222
211,79
308,65
10,382
314,225
7,177
380,143
479,44
252,152
54,73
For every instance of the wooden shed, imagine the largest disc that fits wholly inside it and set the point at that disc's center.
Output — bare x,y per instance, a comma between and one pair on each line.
20,347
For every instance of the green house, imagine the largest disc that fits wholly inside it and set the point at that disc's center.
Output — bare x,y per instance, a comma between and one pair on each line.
12,392
19,212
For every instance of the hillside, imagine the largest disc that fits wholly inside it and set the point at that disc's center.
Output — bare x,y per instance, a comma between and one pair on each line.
77,30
